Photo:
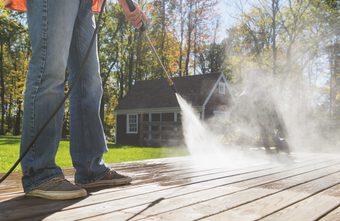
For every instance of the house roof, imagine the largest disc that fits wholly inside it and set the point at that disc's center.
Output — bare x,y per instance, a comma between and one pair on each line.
157,94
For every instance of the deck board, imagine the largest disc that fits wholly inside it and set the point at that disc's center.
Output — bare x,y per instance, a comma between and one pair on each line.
333,215
230,202
271,203
175,202
310,208
175,189
108,202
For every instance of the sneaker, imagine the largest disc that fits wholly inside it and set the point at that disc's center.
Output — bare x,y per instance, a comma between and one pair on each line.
111,178
58,188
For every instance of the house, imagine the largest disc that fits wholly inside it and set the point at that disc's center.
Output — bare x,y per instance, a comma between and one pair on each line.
149,114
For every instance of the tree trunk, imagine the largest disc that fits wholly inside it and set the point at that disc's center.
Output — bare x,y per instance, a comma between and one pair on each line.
332,81
17,124
190,29
163,38
195,51
275,6
187,60
2,92
131,62
9,114
104,100
180,61
121,84
195,39
138,56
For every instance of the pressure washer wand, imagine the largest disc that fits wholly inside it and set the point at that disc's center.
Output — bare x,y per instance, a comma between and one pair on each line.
171,83
168,78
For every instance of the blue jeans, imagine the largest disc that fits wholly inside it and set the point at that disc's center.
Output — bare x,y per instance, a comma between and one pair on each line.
60,33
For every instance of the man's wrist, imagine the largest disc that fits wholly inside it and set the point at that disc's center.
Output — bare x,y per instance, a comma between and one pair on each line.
121,2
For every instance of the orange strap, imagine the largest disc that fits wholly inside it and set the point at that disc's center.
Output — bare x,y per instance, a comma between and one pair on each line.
97,5
17,5
20,5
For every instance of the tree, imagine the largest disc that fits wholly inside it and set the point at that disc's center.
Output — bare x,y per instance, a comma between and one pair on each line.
13,65
212,59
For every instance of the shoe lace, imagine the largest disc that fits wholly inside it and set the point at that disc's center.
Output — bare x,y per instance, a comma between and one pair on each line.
113,174
59,180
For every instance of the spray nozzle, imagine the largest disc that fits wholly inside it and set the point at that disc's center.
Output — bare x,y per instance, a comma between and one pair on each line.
171,84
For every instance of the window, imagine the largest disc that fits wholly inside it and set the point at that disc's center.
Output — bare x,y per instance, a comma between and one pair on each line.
220,114
168,117
221,88
132,124
155,117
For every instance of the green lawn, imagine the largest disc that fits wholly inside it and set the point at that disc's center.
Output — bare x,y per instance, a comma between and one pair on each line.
9,150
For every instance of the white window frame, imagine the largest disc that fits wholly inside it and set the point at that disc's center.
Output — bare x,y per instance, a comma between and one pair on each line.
128,129
221,113
221,88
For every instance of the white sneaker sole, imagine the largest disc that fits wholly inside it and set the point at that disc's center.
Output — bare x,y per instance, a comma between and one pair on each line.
58,195
106,183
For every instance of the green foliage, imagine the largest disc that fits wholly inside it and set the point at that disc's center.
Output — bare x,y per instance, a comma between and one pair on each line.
125,55
14,55
212,59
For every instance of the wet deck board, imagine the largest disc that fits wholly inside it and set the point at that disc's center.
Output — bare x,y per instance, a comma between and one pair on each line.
308,188
332,215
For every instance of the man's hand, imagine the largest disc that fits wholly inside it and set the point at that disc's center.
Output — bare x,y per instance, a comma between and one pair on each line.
137,18
5,2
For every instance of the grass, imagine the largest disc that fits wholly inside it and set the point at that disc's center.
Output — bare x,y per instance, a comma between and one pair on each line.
9,152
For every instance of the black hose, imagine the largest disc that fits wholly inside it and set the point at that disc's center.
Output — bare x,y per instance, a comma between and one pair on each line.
81,69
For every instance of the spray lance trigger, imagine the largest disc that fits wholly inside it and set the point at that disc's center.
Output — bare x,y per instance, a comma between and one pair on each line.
132,8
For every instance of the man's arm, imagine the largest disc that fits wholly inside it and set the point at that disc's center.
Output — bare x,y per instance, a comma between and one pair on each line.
137,17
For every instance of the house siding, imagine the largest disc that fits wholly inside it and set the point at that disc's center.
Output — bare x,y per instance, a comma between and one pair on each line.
156,124
217,102
160,130
122,137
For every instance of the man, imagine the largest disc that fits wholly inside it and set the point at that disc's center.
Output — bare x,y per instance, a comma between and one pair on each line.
60,33
272,127
255,113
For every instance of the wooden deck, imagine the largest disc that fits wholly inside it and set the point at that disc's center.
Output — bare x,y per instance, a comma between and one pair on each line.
173,189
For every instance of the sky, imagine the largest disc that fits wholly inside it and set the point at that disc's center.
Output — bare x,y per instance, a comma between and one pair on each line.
227,11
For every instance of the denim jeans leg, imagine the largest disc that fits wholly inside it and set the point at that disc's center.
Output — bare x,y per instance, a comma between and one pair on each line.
51,24
88,142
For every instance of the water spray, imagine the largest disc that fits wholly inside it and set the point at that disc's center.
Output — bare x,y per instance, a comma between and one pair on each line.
171,83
